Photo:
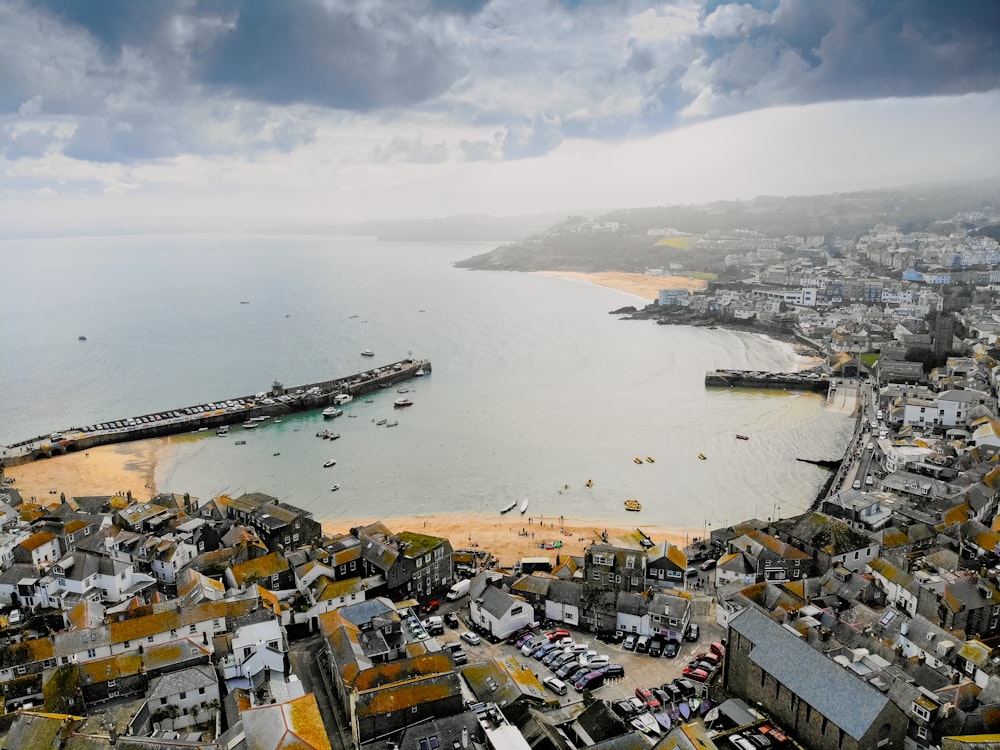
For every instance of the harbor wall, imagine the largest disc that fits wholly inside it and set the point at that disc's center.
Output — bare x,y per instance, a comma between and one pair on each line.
776,381
301,398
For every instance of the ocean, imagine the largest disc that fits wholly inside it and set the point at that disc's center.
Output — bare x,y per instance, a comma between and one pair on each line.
535,388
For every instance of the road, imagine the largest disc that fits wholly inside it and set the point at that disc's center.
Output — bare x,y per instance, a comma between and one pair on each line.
307,658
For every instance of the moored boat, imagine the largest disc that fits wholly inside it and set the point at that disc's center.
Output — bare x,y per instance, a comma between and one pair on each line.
393,423
381,421
332,411
742,437
663,719
250,425
367,353
685,710
223,430
637,460
649,460
590,483
524,506
702,456
335,488
329,463
401,402
633,505
508,507
420,372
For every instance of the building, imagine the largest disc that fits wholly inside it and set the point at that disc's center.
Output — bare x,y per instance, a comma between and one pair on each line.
823,705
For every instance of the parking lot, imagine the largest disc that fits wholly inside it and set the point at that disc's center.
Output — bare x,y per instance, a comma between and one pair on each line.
641,670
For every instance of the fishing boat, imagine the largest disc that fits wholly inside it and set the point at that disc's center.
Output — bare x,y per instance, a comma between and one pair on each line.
633,505
674,714
276,453
524,506
277,421
335,488
663,719
702,456
402,390
329,463
649,460
645,723
508,507
742,437
637,460
332,435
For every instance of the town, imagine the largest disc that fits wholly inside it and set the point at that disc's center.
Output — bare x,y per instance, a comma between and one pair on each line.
870,621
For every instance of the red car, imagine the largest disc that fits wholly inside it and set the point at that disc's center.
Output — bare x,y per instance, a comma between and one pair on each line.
431,606
711,657
555,635
692,673
646,695
718,649
773,732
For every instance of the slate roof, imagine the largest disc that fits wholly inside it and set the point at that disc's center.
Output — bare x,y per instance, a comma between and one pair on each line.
296,725
565,592
533,584
495,601
849,703
184,680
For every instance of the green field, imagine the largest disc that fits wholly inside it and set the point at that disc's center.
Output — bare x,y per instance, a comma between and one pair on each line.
681,243
870,359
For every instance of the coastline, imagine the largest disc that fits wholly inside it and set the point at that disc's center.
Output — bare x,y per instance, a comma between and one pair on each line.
637,284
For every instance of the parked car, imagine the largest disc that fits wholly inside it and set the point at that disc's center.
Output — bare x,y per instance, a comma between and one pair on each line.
646,695
686,687
693,673
614,670
567,669
451,619
629,643
675,693
432,606
708,564
555,635
773,732
693,632
471,638
670,649
623,709
596,662
518,635
656,647
718,648
711,657
589,681
542,650
642,644
557,686
741,743
531,644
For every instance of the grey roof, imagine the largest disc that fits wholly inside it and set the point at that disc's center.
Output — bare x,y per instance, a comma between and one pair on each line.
363,612
495,601
565,592
174,683
835,693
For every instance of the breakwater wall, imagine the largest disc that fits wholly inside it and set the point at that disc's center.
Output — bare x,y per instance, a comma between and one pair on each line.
785,381
275,402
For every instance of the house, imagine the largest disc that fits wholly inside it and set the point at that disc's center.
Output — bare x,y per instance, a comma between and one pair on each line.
257,643
666,565
413,565
563,601
669,614
901,589
496,611
40,549
271,571
823,705
829,541
296,723
280,525
120,676
181,699
615,568
771,559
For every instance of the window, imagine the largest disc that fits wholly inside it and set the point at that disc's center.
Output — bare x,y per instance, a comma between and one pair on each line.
149,639
922,733
183,695
21,669
201,691
91,653
111,683
192,628
920,712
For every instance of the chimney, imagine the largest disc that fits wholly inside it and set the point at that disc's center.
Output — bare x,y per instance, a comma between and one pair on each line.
465,737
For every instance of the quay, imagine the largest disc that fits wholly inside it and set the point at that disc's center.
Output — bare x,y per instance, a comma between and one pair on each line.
785,381
276,402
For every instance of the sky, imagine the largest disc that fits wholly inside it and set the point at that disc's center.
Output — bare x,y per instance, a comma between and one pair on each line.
129,115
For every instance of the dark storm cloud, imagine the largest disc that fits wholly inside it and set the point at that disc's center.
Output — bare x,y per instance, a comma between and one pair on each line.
799,51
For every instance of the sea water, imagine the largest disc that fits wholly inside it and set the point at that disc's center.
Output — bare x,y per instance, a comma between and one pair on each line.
535,388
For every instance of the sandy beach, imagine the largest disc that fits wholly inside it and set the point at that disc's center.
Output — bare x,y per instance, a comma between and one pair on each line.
638,284
111,469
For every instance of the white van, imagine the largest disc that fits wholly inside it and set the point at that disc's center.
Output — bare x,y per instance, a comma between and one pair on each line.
458,590
556,685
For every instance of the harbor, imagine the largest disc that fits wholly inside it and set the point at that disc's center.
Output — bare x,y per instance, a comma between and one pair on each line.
246,410
785,381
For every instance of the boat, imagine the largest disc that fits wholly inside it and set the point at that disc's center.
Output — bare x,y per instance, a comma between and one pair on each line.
702,456
335,488
693,703
393,423
241,442
353,316
329,463
276,453
401,402
637,460
331,435
590,483
202,429
342,398
419,373
381,421
81,338
508,507
645,723
663,719
367,353
705,707
633,505
244,302
402,390
332,411
277,421
250,425
262,418
674,714
223,430
742,437
685,710
524,506
649,460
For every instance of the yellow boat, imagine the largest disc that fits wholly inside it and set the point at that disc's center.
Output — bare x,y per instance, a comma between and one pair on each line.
649,460
637,460
702,456
633,505
590,482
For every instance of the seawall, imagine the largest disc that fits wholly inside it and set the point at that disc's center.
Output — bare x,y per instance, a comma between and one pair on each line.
277,401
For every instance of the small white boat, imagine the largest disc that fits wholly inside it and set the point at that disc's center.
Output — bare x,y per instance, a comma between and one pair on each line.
401,402
393,423
250,425
381,421
524,506
277,421
335,488
329,463
402,390
367,353
509,507
342,398
419,373
332,411
224,430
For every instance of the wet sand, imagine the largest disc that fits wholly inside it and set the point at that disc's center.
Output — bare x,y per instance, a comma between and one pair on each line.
638,284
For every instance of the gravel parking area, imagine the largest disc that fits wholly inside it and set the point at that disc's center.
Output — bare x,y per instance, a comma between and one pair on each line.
641,670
